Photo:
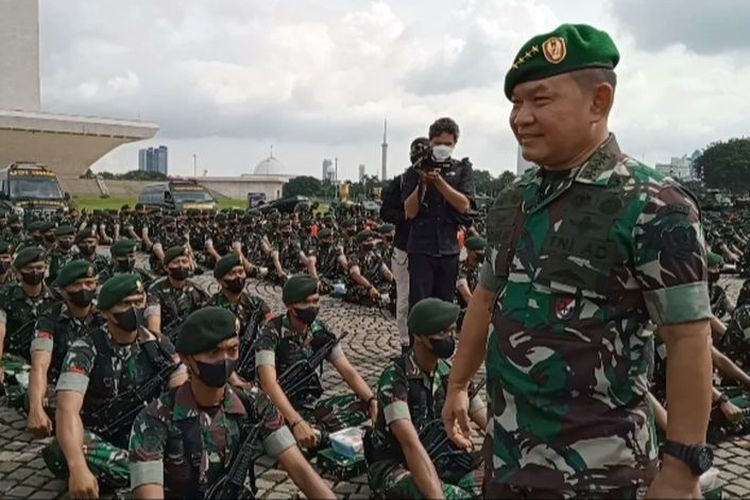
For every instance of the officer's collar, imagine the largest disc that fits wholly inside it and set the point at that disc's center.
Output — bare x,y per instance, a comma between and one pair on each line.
602,164
413,371
185,406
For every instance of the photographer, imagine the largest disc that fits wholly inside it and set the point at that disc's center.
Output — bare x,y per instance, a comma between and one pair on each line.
437,192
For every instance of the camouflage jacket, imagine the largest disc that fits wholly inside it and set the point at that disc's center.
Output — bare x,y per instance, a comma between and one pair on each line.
244,309
736,340
57,260
99,261
174,304
57,329
19,312
580,261
469,274
328,262
162,441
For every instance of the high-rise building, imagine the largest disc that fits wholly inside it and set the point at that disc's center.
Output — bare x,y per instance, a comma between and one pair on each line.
362,172
327,164
154,160
384,152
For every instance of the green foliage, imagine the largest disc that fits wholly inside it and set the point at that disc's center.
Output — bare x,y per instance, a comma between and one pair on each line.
487,185
302,186
726,165
133,175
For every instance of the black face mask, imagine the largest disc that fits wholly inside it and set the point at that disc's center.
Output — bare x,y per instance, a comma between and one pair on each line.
65,245
86,250
125,264
179,273
713,276
15,229
480,256
82,298
129,320
33,278
4,266
307,316
236,285
215,374
38,238
50,238
443,348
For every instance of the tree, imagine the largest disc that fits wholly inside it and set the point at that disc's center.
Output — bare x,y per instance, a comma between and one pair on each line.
483,182
726,165
302,186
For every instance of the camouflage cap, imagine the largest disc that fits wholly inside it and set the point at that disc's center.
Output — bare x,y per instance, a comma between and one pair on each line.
118,288
206,328
226,264
431,316
74,271
569,48
123,247
173,253
476,243
298,288
65,230
28,255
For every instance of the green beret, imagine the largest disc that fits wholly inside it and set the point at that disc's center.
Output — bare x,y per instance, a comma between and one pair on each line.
117,288
221,217
168,220
4,247
225,264
364,235
714,259
325,232
122,247
13,219
298,288
386,228
27,256
85,234
569,48
206,328
66,230
173,253
37,225
431,316
476,243
47,226
73,271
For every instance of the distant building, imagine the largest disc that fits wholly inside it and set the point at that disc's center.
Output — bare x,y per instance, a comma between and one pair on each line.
328,171
678,168
362,172
154,160
384,152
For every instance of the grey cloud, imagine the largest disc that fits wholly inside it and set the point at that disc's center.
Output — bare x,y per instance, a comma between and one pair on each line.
704,27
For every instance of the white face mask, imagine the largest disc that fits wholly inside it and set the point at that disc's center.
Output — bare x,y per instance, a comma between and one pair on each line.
442,152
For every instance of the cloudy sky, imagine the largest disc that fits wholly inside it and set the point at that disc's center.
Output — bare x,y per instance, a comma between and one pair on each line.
226,79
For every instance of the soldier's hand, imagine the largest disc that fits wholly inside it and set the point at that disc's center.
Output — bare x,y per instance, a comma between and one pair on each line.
237,247
305,435
456,417
374,294
39,424
82,484
732,413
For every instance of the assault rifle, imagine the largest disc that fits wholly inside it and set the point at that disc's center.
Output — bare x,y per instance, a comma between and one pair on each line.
246,364
232,484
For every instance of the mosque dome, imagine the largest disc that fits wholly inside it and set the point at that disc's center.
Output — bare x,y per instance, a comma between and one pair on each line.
270,166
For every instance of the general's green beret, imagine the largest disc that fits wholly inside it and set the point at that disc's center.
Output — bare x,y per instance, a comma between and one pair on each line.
386,228
206,328
431,316
123,247
85,234
325,232
27,256
364,235
476,243
117,288
37,225
298,288
13,219
73,271
225,264
4,247
173,253
714,259
66,230
569,48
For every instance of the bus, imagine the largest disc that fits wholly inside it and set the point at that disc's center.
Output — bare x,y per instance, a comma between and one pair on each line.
177,195
31,189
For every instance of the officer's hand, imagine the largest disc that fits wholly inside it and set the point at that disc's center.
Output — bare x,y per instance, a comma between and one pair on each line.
39,424
456,417
732,413
305,435
82,484
374,294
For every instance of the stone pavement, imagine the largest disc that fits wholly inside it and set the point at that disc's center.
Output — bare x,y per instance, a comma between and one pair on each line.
371,341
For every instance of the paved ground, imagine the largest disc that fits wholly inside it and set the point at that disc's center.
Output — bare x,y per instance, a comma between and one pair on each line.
371,340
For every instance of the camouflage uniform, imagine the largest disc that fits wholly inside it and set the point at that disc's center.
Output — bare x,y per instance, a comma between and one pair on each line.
18,312
174,304
280,347
719,301
580,260
99,261
736,340
161,442
101,370
405,392
469,274
370,265
57,260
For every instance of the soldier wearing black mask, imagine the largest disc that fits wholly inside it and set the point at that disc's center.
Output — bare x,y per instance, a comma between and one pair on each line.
6,259
86,243
123,254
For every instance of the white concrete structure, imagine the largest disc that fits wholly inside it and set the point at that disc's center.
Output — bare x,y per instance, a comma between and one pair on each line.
677,168
238,187
66,144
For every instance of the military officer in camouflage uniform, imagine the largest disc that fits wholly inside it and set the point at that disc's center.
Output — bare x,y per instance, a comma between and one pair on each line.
98,371
366,269
583,252
86,242
47,230
63,251
720,303
13,233
173,297
468,274
207,417
21,304
63,322
6,263
123,256
411,393
288,338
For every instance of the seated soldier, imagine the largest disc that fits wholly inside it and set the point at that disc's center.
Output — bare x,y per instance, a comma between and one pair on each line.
332,265
207,417
106,377
468,274
86,243
720,303
411,393
172,298
6,260
366,269
63,252
287,256
64,322
123,258
21,304
296,336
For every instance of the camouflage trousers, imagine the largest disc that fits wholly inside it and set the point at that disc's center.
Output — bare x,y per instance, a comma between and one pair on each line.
108,463
336,413
389,481
15,387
